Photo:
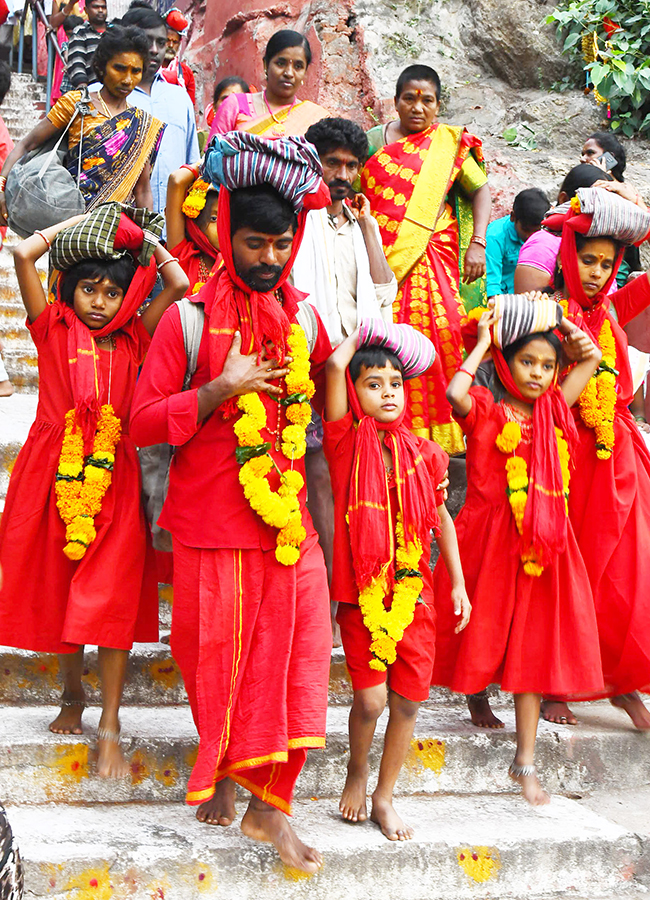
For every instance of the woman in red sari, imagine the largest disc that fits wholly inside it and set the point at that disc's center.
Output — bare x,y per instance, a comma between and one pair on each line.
610,494
428,191
74,545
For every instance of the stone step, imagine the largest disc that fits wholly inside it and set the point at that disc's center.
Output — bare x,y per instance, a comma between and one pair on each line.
448,755
478,847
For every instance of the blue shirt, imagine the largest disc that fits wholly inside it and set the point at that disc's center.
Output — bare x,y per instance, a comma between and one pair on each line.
501,255
169,103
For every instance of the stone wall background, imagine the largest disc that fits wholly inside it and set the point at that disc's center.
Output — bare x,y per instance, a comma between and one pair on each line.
497,60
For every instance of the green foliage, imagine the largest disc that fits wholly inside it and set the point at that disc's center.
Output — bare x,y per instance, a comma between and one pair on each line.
520,136
621,73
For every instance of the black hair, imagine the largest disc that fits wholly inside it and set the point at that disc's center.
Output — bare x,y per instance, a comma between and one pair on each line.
581,241
284,39
5,79
116,40
261,208
583,175
202,218
369,357
330,134
119,271
227,82
70,23
612,145
530,207
143,15
417,73
550,336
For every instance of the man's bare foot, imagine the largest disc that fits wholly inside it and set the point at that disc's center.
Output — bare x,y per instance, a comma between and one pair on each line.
110,761
353,799
558,712
220,808
480,711
68,720
531,788
262,822
383,814
6,389
635,708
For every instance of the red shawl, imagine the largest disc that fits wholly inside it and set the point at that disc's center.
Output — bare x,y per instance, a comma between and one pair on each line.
372,537
88,389
231,305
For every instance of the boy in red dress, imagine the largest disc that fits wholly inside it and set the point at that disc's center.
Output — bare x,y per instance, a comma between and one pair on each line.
385,504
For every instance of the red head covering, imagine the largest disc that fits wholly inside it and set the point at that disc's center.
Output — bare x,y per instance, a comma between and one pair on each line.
371,529
85,375
544,526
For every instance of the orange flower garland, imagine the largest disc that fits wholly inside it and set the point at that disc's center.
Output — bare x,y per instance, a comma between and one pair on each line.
597,402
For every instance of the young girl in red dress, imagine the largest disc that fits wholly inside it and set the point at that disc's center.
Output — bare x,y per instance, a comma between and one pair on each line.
609,504
191,220
533,627
90,579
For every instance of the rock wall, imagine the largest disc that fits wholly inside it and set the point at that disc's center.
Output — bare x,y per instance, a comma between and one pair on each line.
497,61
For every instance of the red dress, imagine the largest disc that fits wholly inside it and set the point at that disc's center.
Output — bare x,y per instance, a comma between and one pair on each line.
526,633
609,507
110,598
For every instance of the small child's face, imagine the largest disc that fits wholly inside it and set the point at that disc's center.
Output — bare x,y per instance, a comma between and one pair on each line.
96,303
208,222
381,393
533,368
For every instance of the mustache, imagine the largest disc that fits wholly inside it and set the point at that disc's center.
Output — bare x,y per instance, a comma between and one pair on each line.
339,183
265,270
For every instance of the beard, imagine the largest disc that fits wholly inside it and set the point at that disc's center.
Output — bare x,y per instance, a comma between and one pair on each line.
339,189
254,280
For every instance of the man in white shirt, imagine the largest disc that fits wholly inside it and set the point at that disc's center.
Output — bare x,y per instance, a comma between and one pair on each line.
168,102
341,265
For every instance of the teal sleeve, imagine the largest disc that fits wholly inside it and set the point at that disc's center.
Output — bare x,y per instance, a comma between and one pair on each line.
493,262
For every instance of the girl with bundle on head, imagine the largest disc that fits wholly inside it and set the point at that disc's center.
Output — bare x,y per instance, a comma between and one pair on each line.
533,627
389,495
74,545
609,504
191,219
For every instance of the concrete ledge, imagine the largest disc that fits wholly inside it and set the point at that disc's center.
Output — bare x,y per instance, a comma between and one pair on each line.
479,847
447,755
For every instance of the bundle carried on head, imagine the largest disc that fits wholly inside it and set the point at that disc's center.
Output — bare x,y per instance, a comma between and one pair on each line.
517,316
413,349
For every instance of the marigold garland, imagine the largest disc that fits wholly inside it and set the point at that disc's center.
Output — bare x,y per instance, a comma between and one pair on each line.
597,402
387,626
196,198
279,509
81,484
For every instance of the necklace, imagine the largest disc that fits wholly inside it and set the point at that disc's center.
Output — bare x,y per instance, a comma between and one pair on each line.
522,419
107,112
271,113
109,340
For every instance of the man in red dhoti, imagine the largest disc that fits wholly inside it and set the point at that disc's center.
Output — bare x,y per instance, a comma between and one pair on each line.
250,628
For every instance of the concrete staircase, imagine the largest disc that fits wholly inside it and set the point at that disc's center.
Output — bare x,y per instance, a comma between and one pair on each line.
83,838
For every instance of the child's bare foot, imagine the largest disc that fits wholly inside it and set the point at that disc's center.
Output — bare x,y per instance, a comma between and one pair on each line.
68,720
635,708
526,776
262,822
220,808
383,813
110,761
6,389
353,799
480,711
558,712
336,628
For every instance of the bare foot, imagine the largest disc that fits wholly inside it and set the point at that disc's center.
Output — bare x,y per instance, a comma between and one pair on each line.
68,720
635,708
353,799
383,813
558,712
164,639
480,711
531,789
110,761
220,808
262,822
336,629
6,389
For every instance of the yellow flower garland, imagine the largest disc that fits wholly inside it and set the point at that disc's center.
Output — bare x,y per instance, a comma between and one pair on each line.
387,626
597,402
517,477
279,509
81,484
